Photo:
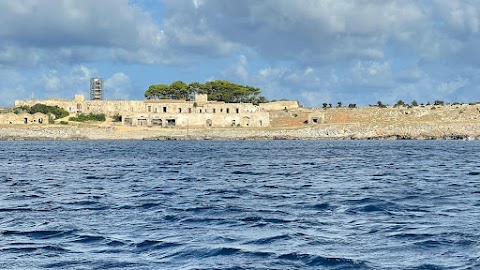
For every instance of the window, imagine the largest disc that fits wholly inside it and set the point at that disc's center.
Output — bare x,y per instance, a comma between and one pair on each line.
164,109
149,108
200,110
189,110
155,109
214,110
237,110
157,122
171,122
179,110
228,110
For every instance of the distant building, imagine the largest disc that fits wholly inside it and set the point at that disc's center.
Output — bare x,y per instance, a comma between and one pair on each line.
200,112
23,119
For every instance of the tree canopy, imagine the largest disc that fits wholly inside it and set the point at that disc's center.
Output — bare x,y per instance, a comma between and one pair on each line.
217,90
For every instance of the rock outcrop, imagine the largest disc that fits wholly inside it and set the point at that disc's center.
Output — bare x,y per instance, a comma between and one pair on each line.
418,123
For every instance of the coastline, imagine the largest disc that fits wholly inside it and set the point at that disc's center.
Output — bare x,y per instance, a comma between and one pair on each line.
354,131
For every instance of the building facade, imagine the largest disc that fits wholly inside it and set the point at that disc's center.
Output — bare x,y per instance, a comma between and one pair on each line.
171,113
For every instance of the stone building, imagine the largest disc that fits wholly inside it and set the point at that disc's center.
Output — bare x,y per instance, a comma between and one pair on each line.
197,113
173,113
23,119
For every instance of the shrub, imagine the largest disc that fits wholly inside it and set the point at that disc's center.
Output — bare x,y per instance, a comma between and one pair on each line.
89,117
56,111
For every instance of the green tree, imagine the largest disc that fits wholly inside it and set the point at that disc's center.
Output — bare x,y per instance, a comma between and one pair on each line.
414,103
380,104
157,91
399,103
179,90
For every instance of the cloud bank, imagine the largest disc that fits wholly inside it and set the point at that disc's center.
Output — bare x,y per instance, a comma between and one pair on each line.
314,51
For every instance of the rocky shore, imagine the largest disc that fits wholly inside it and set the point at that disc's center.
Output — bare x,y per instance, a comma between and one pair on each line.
360,131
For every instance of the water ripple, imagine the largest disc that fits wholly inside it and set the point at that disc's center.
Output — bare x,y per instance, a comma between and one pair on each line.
240,205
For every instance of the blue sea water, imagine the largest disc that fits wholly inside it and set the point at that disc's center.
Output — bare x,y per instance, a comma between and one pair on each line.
240,205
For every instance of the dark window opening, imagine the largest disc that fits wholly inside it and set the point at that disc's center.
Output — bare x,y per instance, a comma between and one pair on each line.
164,109
179,110
149,108
189,110
214,110
157,122
315,120
171,122
25,120
228,110
237,110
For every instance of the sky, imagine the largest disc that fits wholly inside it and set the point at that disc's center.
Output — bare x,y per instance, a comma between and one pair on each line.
313,51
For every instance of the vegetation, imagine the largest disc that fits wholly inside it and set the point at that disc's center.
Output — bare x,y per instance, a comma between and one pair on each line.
117,118
380,104
88,117
42,108
217,90
400,103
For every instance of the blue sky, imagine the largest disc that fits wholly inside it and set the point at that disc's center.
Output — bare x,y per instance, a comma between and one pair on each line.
314,51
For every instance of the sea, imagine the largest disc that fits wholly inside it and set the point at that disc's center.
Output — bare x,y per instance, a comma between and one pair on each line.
240,205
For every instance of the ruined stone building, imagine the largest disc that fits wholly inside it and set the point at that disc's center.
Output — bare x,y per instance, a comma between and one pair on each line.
23,119
173,113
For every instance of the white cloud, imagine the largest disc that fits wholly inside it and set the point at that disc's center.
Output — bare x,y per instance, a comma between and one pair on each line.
118,86
80,31
372,73
344,50
451,86
12,86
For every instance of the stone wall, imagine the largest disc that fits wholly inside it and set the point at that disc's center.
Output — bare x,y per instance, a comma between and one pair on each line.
280,105
197,119
168,113
23,119
90,106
